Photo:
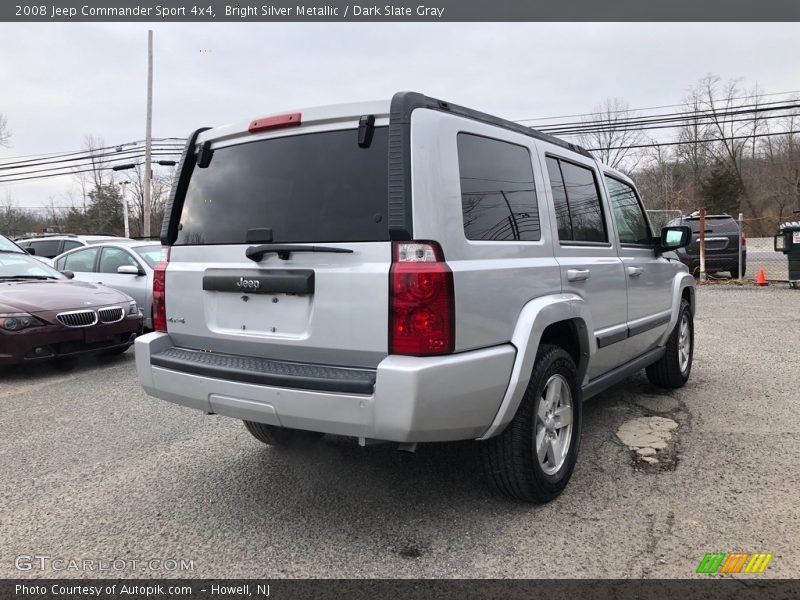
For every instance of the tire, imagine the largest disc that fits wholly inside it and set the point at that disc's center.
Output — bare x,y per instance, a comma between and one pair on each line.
281,436
673,369
511,460
734,271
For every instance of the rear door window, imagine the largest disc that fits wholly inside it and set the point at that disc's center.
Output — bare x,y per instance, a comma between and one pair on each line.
319,187
80,261
559,199
498,197
580,218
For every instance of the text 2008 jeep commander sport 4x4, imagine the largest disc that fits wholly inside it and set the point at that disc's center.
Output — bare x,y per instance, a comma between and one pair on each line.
411,271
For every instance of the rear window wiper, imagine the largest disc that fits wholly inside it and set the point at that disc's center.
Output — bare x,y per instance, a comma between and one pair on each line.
256,253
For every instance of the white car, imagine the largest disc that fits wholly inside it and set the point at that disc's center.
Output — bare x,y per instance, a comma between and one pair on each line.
125,265
46,247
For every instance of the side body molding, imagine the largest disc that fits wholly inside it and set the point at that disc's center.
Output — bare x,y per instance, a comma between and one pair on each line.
534,318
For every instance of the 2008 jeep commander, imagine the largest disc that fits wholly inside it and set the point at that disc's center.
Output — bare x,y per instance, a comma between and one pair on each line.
411,271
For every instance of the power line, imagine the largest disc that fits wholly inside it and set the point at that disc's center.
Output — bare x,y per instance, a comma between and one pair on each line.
675,118
89,155
651,107
658,144
73,152
702,124
73,170
83,162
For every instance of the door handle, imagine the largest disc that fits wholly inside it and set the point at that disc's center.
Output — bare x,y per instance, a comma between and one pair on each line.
577,274
635,271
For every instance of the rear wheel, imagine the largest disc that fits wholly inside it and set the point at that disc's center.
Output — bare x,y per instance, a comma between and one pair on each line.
734,271
281,436
533,459
672,370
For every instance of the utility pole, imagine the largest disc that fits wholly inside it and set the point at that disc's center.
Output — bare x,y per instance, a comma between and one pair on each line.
125,209
148,135
702,244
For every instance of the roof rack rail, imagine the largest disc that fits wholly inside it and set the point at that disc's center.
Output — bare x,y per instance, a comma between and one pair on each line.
43,235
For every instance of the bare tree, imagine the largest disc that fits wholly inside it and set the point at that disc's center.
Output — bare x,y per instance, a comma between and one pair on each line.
659,180
775,176
692,150
100,174
610,137
159,191
5,132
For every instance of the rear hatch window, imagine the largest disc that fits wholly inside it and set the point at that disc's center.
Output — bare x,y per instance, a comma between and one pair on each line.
318,187
721,234
716,224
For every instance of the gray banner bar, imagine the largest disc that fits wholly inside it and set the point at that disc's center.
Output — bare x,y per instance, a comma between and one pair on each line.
696,588
402,10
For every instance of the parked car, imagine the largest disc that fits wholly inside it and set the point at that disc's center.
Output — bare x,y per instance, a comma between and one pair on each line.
722,235
125,265
49,245
45,315
412,271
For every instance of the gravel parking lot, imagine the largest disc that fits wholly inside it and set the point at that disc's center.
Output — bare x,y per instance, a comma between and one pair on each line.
95,469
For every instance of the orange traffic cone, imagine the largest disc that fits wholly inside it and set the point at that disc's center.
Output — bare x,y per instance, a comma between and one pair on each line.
762,278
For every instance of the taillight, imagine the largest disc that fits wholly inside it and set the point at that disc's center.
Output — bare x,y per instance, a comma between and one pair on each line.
160,293
276,122
421,300
744,239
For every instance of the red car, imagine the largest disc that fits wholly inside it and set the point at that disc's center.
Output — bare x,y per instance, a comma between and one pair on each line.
44,314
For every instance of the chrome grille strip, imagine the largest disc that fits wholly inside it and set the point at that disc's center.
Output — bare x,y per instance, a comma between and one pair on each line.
77,318
111,314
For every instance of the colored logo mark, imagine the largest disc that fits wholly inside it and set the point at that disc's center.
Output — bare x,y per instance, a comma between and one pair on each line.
734,562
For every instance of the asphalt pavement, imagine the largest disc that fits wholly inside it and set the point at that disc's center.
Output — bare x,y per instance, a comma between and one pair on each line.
94,469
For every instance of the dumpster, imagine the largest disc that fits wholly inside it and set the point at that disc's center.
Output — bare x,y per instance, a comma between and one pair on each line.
788,242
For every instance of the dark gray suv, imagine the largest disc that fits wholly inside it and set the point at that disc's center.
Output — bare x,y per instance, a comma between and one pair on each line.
722,244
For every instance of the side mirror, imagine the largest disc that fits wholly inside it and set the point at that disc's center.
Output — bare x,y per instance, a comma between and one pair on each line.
31,251
672,238
129,270
68,274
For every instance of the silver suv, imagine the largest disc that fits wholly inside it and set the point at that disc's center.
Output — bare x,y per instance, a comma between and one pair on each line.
411,271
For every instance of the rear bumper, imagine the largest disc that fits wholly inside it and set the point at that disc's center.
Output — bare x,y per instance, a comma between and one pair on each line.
412,399
713,261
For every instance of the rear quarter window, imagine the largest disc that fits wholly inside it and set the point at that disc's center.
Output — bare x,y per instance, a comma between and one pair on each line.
498,197
70,244
46,248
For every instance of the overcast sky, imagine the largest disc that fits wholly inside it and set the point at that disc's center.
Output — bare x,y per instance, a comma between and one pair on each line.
60,82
